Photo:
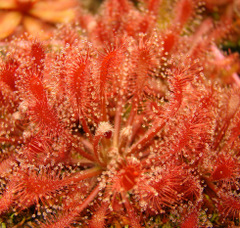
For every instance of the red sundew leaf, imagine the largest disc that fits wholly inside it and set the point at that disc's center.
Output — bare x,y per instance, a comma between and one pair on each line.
120,7
193,127
29,187
180,78
8,100
6,166
221,172
153,6
145,23
79,84
234,129
102,33
86,21
36,149
78,81
7,198
169,41
64,221
191,220
70,215
129,174
35,96
172,148
46,119
116,11
32,187
160,190
31,85
43,184
184,10
144,62
8,73
133,217
110,59
125,179
226,168
228,204
221,31
132,24
129,177
38,55
68,35
36,88
109,62
191,188
198,43
231,105
98,219
126,5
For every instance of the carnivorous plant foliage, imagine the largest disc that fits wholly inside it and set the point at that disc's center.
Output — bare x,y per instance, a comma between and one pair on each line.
128,118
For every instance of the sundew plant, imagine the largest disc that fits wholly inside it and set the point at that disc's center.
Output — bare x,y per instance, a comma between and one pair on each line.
129,119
